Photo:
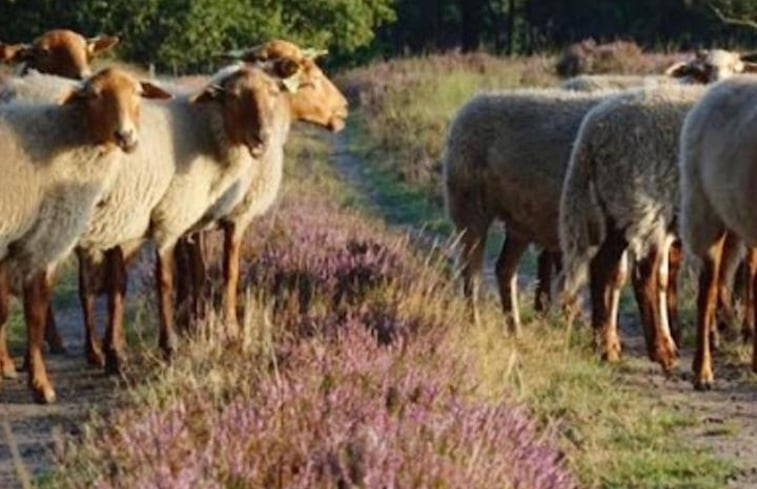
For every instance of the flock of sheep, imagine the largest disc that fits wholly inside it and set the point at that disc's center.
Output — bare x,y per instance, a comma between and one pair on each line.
91,164
607,166
590,172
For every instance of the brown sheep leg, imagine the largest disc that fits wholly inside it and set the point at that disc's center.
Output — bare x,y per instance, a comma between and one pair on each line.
725,313
507,279
750,265
6,362
675,259
52,335
89,273
232,245
706,303
196,251
607,274
472,260
115,345
645,289
37,293
547,261
164,278
183,284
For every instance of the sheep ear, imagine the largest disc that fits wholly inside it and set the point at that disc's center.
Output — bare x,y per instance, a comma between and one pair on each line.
15,53
78,93
100,44
683,70
312,53
154,92
251,55
209,94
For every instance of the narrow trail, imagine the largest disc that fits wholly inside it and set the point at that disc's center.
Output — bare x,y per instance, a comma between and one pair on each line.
726,416
37,429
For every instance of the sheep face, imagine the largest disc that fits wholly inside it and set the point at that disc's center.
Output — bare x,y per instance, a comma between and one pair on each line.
317,100
59,52
248,100
111,99
710,66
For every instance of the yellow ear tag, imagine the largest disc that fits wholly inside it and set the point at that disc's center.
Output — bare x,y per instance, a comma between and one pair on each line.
292,84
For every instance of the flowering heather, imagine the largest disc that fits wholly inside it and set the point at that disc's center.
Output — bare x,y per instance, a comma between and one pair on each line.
343,412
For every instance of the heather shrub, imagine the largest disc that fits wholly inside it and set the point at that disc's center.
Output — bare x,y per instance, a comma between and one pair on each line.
342,412
614,57
405,106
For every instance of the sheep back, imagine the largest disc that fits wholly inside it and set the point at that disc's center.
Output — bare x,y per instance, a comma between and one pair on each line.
506,156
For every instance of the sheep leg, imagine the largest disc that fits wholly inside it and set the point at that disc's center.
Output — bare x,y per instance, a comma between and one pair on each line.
645,290
747,329
507,279
37,293
607,274
667,351
115,345
232,244
472,256
706,302
196,251
753,299
164,274
546,263
675,259
52,335
183,284
6,362
725,314
89,273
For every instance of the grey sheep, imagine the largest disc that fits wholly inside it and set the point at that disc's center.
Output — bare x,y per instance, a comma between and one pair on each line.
717,158
621,192
505,158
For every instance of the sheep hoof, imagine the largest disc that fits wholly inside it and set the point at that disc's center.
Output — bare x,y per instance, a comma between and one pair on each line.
114,362
9,370
702,385
95,358
43,394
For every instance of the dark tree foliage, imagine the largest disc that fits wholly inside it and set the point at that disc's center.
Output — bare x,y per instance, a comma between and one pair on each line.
187,35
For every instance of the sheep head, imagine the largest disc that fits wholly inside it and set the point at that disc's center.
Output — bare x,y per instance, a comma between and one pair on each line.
712,65
58,52
248,99
317,100
111,100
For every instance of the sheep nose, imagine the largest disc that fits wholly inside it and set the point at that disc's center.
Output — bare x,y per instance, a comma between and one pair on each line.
126,139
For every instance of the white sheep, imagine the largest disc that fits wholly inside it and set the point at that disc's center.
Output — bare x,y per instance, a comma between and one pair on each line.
318,102
620,193
505,159
57,161
717,156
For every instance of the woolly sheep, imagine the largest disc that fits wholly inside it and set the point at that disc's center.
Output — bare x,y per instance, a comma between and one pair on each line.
318,102
717,189
57,162
620,193
212,143
498,145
